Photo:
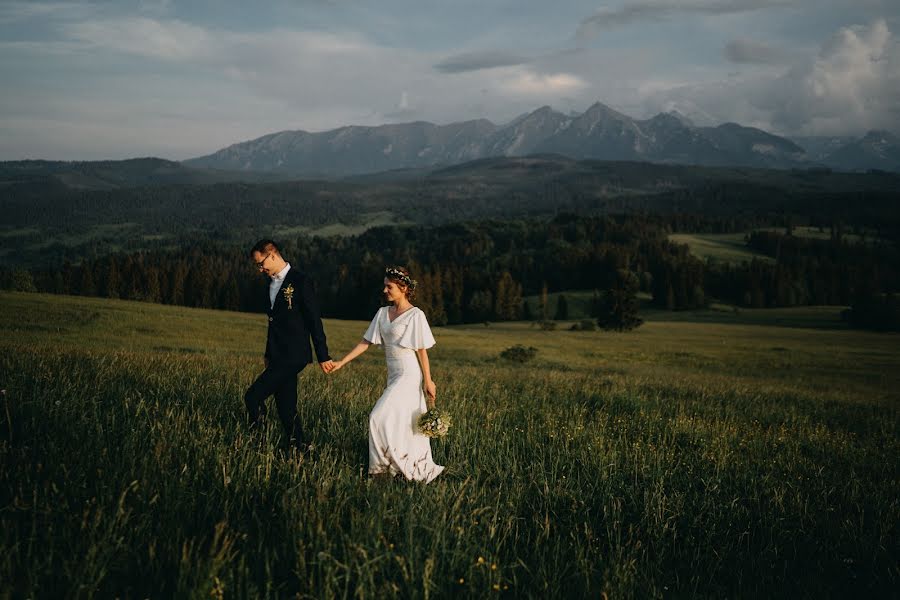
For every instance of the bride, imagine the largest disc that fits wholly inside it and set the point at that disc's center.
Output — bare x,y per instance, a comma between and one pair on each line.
396,447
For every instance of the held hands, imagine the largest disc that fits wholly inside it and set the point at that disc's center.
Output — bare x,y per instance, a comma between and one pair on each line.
330,366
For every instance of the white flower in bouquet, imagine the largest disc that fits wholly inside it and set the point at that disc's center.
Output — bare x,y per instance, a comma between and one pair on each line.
435,423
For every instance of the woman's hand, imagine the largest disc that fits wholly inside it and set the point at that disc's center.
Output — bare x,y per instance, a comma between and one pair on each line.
430,393
335,366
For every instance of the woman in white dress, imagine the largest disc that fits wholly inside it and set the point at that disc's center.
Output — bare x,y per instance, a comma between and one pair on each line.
396,447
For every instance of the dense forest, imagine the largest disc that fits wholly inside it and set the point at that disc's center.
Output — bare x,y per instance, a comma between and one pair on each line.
479,236
49,219
479,271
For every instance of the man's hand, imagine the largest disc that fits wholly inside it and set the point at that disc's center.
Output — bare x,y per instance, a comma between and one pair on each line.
327,366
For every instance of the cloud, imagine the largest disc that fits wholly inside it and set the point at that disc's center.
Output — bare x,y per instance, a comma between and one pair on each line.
343,72
169,40
476,61
852,84
147,83
749,52
660,10
15,12
528,83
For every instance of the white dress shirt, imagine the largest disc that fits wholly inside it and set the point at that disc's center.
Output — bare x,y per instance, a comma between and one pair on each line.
276,282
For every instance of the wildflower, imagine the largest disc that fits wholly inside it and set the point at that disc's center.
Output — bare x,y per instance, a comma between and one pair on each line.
480,560
461,580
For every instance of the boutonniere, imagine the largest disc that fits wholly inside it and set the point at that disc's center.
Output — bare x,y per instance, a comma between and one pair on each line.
289,296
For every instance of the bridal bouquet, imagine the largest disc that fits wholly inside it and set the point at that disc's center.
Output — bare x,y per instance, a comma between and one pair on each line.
435,423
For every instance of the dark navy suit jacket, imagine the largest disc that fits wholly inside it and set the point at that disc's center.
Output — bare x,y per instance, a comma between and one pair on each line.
293,324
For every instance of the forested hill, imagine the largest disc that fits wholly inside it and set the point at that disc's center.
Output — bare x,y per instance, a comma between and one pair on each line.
112,174
48,221
482,271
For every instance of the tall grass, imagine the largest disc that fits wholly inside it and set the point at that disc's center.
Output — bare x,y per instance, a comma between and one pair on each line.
129,472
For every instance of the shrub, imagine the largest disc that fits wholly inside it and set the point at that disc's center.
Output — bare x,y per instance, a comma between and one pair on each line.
519,353
585,325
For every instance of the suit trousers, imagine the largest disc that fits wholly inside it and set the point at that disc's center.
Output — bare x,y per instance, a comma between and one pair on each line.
279,381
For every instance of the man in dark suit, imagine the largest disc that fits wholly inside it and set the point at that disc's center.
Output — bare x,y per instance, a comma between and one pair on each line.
294,319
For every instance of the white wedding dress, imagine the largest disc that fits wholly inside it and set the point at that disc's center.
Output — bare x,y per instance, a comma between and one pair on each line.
395,444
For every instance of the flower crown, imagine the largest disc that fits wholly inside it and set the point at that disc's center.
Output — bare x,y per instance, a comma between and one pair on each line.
395,273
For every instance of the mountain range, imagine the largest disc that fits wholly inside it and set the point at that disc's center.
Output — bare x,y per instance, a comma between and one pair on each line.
598,133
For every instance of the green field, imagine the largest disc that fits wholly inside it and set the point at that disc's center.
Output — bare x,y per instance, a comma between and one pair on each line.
731,248
721,247
364,223
713,454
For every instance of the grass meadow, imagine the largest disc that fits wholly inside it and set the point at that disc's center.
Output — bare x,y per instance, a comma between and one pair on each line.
721,247
731,247
715,454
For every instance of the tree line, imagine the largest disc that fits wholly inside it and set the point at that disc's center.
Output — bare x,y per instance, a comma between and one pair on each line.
479,271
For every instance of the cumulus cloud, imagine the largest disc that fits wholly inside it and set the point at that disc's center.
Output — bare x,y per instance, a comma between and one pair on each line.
852,84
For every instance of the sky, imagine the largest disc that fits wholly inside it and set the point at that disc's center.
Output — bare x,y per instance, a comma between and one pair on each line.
114,79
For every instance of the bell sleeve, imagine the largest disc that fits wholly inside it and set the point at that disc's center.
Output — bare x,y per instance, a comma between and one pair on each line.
373,333
418,334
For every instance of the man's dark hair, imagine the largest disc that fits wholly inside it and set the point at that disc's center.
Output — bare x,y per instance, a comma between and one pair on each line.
264,247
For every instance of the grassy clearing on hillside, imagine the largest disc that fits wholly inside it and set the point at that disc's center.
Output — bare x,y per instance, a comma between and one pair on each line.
364,223
722,247
683,459
730,247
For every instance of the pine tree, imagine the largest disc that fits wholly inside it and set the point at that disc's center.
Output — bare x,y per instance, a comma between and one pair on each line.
545,302
526,311
67,278
178,281
151,285
231,295
453,297
437,316
618,309
86,287
57,285
481,305
19,280
111,285
508,299
562,309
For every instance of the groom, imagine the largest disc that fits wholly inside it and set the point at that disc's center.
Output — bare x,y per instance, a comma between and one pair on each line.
294,319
